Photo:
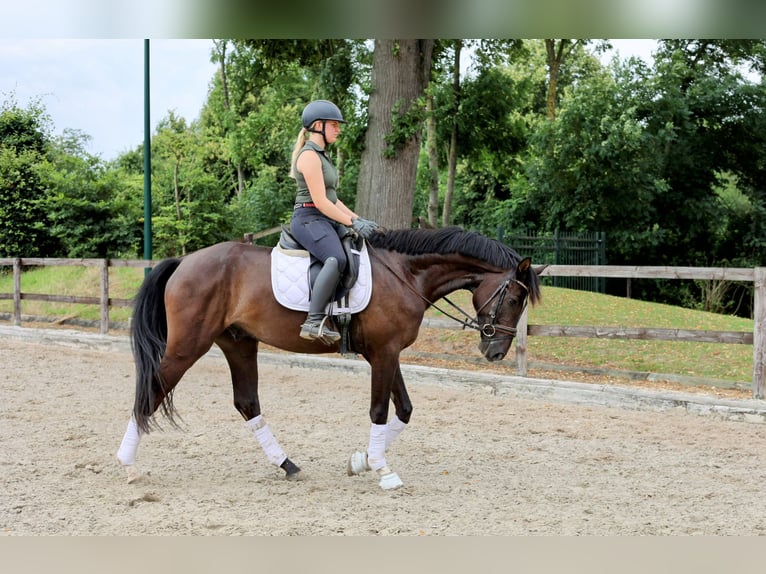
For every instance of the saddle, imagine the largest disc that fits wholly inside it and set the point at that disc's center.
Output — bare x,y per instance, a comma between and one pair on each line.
352,246
294,270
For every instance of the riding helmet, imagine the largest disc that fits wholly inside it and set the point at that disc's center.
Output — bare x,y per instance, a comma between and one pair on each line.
320,110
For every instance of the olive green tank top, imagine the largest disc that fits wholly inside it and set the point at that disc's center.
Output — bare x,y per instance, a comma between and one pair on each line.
328,171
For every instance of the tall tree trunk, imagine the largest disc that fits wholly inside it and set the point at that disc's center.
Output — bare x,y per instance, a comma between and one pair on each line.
177,194
555,55
452,160
389,163
221,48
433,163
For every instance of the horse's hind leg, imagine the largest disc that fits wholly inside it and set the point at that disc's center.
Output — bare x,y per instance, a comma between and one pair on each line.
241,352
172,368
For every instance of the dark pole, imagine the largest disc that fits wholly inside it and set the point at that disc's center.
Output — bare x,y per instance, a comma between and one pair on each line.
147,164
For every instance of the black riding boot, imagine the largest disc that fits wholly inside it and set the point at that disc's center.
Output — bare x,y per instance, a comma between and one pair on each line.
315,326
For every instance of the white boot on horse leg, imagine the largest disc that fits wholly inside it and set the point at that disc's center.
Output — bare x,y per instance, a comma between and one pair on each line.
274,453
358,463
126,455
376,458
394,427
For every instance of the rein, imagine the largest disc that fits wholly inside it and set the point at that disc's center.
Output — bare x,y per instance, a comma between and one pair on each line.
489,330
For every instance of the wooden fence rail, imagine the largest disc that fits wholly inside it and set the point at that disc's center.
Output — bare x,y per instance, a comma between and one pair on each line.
757,276
103,300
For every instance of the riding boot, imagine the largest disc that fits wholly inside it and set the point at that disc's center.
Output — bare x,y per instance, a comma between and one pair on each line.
315,326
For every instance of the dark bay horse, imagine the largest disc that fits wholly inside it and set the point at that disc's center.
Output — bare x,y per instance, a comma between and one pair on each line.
222,294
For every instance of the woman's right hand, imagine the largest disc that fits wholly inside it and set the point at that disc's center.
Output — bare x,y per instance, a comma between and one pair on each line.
364,227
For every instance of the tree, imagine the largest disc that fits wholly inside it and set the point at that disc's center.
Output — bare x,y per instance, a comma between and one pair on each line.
640,153
386,187
452,157
253,113
558,52
24,182
190,200
90,204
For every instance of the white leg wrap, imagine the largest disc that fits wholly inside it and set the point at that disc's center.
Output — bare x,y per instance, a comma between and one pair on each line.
393,428
376,449
269,444
129,446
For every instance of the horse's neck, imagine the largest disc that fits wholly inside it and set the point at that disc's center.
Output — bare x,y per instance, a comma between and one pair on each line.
440,275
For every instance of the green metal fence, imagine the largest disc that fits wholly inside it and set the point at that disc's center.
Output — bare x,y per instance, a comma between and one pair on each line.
563,248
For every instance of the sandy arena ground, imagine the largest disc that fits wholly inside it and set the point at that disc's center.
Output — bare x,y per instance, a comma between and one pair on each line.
473,462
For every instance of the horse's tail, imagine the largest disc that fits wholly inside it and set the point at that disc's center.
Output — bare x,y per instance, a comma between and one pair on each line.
148,337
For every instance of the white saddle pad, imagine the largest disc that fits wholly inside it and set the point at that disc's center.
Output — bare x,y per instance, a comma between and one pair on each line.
289,281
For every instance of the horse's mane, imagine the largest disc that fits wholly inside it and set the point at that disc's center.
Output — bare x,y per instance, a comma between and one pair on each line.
446,241
450,240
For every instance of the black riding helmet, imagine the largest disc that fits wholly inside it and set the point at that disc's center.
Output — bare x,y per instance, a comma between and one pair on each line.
320,110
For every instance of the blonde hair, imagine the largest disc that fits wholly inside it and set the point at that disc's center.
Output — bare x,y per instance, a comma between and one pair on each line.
299,143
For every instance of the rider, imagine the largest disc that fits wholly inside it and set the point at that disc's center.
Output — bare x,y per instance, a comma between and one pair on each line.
318,212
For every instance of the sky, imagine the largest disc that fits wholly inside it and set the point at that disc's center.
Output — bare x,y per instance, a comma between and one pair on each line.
97,86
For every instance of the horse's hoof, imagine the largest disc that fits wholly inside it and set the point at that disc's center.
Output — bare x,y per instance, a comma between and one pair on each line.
295,476
134,475
292,470
357,464
389,480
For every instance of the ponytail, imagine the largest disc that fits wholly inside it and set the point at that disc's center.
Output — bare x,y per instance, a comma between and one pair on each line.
299,143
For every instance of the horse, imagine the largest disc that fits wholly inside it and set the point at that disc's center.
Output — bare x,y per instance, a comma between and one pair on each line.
222,295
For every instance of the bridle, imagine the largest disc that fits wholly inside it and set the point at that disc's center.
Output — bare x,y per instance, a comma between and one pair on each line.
489,330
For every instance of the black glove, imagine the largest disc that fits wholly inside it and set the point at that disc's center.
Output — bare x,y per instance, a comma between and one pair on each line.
364,227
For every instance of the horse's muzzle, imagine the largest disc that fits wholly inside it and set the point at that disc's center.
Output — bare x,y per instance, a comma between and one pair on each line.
494,350
495,357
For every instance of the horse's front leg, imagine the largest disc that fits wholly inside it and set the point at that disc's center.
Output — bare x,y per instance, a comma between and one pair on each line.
387,383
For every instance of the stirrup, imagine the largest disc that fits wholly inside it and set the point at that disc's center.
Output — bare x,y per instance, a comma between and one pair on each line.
313,331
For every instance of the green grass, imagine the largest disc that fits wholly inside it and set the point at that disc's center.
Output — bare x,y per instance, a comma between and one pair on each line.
727,362
559,307
73,281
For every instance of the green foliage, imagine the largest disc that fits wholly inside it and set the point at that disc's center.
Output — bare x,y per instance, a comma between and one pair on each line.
265,203
24,130
25,179
596,158
89,204
405,125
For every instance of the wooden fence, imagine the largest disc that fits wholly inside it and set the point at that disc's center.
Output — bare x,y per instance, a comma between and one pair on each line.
103,300
757,276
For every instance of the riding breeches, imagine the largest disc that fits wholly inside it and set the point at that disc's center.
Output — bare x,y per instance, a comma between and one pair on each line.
318,234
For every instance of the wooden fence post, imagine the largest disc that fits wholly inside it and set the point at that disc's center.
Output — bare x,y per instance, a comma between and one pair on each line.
521,343
17,292
759,333
104,296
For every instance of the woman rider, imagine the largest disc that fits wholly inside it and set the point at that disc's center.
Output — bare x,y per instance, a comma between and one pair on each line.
318,211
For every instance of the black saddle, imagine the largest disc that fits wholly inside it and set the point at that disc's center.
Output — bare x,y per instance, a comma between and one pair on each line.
351,243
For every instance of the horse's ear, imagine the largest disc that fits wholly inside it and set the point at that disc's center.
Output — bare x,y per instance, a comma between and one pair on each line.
523,266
